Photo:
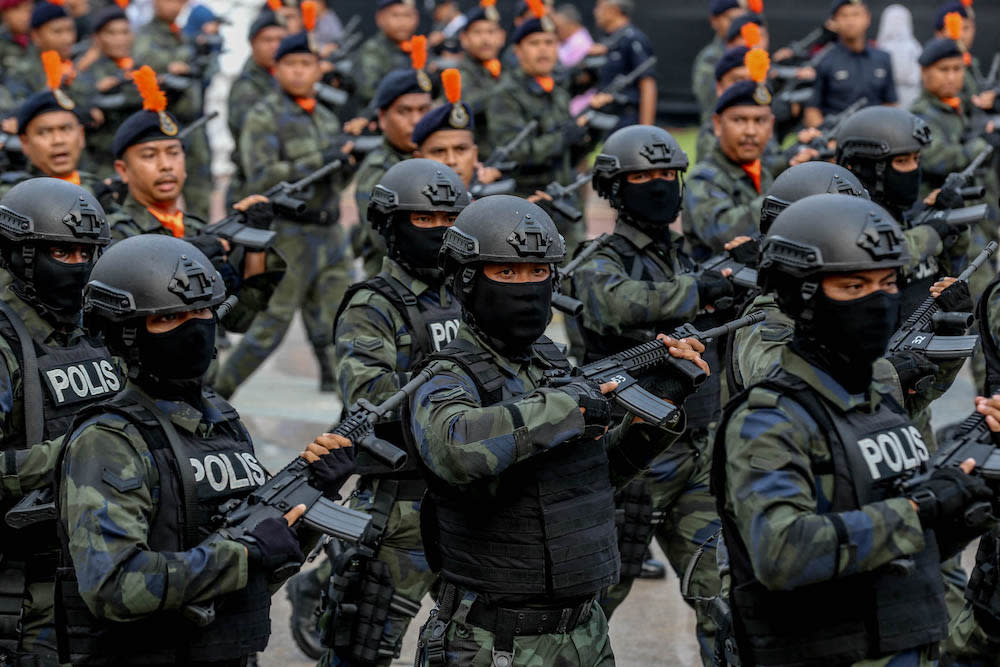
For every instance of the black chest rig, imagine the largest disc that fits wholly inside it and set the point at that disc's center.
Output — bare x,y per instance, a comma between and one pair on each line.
990,350
196,475
843,620
548,529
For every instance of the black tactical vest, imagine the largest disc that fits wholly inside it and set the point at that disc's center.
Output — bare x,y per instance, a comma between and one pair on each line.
844,620
548,529
222,466
703,407
432,326
990,351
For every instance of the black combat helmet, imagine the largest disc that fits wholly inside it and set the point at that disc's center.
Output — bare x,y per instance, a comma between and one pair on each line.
631,149
804,180
37,214
825,234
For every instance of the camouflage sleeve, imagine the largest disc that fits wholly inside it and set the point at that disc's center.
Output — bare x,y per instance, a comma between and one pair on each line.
710,213
368,74
122,225
757,348
703,82
260,153
107,504
771,489
366,351
242,96
613,302
942,157
506,119
462,442
32,469
922,242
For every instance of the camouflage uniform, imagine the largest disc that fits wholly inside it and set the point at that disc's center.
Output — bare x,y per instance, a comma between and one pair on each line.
720,203
27,76
376,57
281,141
10,51
253,84
11,178
157,45
369,245
133,219
464,444
99,140
774,158
545,156
703,73
478,85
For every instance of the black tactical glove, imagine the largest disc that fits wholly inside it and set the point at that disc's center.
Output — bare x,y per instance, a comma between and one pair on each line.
272,544
747,253
956,298
948,233
714,289
260,215
230,276
912,367
944,498
332,470
596,407
209,244
949,199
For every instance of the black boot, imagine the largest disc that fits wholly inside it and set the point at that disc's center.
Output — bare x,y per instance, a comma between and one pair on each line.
652,568
304,594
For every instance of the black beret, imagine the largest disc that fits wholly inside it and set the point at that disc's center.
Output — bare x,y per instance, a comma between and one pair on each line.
141,127
297,43
946,9
382,4
480,14
444,117
44,12
721,6
742,20
531,26
265,19
939,49
730,60
743,94
40,103
837,4
398,83
106,15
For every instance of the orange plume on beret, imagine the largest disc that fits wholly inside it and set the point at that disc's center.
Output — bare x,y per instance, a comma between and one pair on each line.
538,8
451,79
153,98
966,3
53,66
418,51
953,25
487,3
758,62
56,2
310,14
122,4
274,5
756,6
750,32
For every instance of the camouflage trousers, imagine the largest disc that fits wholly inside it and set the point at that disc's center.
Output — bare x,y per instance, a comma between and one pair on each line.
38,631
466,645
315,281
402,550
679,480
968,645
198,186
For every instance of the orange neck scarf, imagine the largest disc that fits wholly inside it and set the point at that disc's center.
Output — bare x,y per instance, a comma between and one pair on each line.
954,102
174,222
124,64
753,171
174,28
73,178
308,104
546,82
494,67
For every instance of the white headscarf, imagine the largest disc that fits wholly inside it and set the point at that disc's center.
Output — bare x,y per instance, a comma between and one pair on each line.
895,35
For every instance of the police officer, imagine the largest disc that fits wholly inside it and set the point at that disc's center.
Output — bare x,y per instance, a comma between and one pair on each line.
632,287
852,68
312,242
52,29
15,17
152,467
721,13
806,458
628,47
882,147
49,369
402,99
725,189
482,39
520,516
397,22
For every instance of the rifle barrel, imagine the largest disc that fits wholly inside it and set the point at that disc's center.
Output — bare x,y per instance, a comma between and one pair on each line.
755,317
980,259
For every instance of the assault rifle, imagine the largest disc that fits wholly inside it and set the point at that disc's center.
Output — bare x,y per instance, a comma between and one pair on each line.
34,507
917,331
742,276
833,122
568,304
957,217
628,366
562,196
618,85
500,159
188,130
959,181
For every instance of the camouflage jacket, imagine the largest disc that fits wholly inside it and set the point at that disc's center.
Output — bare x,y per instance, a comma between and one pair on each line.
781,503
464,443
376,57
253,84
120,579
373,351
614,301
720,203
544,156
133,219
157,45
282,142
99,140
774,158
703,73
10,51
952,146
371,171
478,85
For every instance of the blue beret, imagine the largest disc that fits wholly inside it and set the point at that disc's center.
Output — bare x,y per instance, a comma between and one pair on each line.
742,94
721,6
297,43
531,26
43,12
939,49
444,117
142,127
730,60
396,84
382,4
104,16
265,19
837,4
946,9
40,103
742,20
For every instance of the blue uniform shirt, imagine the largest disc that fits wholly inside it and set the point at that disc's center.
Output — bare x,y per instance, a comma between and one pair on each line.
844,76
628,48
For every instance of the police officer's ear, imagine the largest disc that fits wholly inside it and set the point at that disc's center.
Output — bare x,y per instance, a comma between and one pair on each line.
717,125
121,170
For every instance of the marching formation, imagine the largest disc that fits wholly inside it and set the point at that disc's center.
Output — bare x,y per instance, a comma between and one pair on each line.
753,355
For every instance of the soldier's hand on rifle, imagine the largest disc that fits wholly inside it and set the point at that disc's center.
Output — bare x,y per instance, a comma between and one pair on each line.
595,408
179,68
356,126
744,250
331,461
713,287
272,543
985,100
953,296
487,175
539,196
805,154
807,135
686,348
990,408
601,100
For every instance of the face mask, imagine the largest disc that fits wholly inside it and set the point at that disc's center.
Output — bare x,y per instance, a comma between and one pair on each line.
419,247
59,286
657,201
515,314
183,353
902,189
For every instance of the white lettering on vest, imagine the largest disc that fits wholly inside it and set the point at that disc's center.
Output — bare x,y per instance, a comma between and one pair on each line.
59,382
442,333
199,470
77,381
873,456
234,481
211,463
256,471
222,475
890,452
110,375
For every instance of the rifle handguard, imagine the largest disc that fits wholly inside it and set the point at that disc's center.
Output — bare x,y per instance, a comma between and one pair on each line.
963,320
567,304
288,205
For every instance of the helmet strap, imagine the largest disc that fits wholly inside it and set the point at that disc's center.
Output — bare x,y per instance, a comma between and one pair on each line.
28,255
880,169
807,292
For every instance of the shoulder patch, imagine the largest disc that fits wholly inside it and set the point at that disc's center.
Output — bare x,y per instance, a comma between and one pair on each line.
367,343
449,395
118,484
773,333
762,398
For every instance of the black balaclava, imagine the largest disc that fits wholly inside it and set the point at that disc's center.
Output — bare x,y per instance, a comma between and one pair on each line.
651,206
511,315
417,248
171,364
55,289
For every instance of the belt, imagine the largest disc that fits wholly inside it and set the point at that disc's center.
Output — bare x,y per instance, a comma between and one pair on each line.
521,622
